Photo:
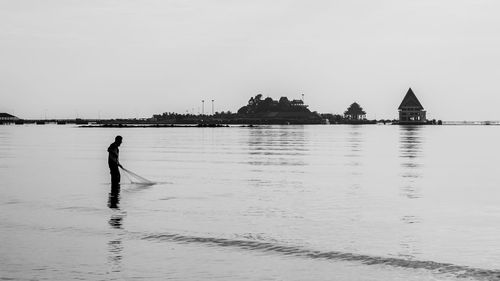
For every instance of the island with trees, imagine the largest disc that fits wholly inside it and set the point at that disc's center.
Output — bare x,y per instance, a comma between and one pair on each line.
261,110
282,111
258,110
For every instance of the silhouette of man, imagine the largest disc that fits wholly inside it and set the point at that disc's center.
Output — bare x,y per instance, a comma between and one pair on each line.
114,163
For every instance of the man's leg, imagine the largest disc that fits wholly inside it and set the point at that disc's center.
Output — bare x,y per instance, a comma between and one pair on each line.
115,175
114,195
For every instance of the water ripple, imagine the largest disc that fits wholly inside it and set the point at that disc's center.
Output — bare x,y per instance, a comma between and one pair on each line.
437,267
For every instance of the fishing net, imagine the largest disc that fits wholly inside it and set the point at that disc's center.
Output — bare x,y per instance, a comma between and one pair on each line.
135,178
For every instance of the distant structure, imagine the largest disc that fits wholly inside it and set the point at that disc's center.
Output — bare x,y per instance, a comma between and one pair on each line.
7,118
411,110
257,105
282,111
355,112
296,103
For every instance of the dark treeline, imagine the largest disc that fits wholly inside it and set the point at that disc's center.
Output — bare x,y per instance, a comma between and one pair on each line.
261,110
257,111
258,105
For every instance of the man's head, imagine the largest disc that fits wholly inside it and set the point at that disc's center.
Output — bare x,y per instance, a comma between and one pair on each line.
118,140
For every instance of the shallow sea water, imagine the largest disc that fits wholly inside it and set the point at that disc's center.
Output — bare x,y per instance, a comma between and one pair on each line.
264,203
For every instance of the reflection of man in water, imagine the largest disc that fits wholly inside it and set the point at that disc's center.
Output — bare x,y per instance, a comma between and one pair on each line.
113,161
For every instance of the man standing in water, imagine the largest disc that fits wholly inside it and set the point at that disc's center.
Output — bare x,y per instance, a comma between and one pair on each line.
114,164
113,161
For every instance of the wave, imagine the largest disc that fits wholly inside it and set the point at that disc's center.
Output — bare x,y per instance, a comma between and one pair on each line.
298,251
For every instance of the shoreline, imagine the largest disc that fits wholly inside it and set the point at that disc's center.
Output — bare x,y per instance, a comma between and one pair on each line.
232,123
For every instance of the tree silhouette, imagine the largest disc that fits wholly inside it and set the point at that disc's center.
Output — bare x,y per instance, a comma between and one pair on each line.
258,105
354,112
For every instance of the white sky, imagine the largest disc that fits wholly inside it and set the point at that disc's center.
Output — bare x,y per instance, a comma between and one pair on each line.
131,58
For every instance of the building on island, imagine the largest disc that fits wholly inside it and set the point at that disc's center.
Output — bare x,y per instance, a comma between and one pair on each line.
297,103
411,110
7,118
282,111
355,112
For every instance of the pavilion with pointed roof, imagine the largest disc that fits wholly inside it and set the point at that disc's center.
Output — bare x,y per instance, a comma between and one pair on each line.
411,110
355,112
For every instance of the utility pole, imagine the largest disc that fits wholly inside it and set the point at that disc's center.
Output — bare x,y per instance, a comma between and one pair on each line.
212,107
202,107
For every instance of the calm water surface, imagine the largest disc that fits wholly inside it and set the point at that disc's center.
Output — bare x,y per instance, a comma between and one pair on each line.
263,203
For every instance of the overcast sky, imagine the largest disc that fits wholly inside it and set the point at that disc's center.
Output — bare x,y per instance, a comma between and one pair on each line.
131,58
